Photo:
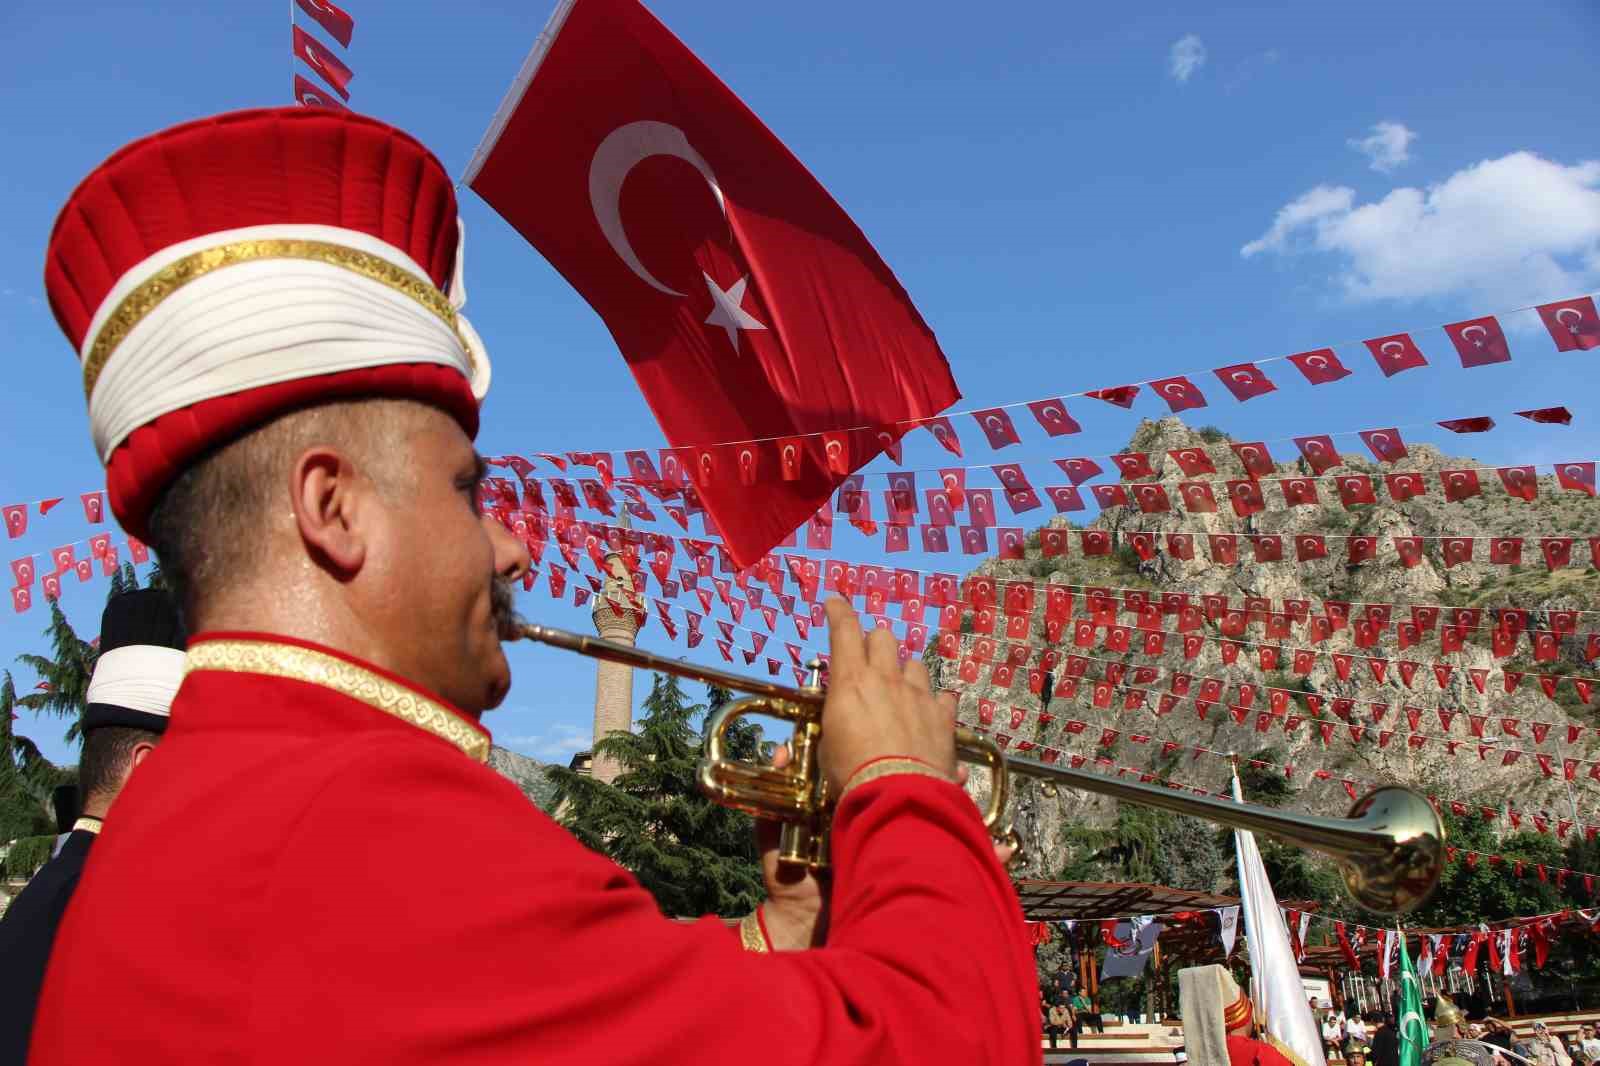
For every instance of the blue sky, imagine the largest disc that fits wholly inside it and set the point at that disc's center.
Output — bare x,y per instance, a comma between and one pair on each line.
1075,196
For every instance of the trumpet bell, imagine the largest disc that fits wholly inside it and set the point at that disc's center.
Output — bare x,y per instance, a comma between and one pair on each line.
1398,877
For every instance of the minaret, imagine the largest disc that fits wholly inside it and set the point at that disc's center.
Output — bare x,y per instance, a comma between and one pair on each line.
613,684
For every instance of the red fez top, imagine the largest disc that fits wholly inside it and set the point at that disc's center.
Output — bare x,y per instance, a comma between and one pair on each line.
222,272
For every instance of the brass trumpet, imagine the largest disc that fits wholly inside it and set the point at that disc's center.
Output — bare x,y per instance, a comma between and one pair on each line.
1390,849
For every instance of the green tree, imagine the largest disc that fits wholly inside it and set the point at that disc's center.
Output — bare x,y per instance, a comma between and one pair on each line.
1485,892
696,857
1148,846
26,777
27,823
63,674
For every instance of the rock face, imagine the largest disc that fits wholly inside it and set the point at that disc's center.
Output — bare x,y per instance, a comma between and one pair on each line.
1430,767
527,774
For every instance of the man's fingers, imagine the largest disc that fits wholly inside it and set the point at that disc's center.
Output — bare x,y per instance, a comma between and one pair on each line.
949,700
883,651
780,756
917,674
845,652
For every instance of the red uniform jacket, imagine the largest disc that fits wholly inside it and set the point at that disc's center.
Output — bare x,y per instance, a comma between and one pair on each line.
1243,1051
315,867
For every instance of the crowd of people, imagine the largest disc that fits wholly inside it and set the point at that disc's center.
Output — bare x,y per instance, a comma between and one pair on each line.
1371,1039
1068,1016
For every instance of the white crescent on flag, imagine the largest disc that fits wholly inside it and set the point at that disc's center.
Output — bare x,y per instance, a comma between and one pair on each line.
623,149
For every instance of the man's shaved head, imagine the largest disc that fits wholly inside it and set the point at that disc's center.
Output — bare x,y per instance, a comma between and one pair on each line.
211,527
354,524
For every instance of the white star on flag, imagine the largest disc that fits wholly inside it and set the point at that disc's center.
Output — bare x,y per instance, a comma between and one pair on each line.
727,311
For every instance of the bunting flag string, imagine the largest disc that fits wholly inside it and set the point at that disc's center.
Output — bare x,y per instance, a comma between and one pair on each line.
1438,947
1424,615
1133,697
1542,821
1109,736
981,594
1387,445
1572,324
67,561
1222,547
1194,495
993,601
1104,695
319,58
1153,638
1276,657
1148,775
883,586
1213,692
16,515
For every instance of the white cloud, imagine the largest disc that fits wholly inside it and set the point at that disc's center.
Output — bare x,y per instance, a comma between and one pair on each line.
1388,146
1188,55
554,744
1512,230
1319,202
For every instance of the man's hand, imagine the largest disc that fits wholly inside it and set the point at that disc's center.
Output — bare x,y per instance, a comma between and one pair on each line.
876,707
796,908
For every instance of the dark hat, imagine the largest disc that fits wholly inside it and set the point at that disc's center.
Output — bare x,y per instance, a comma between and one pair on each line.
141,662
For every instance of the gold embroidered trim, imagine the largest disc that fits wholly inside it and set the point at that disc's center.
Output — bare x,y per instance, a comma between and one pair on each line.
175,275
889,768
751,938
88,824
345,678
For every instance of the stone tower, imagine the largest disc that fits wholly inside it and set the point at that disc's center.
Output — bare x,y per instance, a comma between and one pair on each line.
613,686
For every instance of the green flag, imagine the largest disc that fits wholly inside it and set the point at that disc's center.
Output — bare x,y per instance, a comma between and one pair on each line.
1413,1027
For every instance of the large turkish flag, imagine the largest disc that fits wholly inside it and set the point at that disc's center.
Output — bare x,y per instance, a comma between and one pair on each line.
747,303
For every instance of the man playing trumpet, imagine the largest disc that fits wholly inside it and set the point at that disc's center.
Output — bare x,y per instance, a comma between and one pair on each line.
316,865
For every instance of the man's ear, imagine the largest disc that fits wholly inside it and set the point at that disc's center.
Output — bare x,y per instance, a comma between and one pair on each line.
328,496
140,751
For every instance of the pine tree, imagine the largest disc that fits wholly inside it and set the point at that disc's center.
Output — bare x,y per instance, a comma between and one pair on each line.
694,856
27,824
64,674
26,776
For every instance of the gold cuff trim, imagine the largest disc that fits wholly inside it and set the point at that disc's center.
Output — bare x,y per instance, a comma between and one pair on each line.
346,678
175,275
751,938
889,768
87,824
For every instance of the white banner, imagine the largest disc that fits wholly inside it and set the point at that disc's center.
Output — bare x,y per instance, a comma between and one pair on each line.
1229,931
1279,996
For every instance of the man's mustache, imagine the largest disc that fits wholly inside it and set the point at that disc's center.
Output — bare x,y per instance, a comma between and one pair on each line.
502,608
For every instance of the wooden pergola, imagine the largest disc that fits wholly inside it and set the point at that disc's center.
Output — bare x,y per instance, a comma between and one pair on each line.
1188,936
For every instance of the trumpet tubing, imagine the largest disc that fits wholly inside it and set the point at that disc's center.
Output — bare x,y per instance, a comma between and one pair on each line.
1390,849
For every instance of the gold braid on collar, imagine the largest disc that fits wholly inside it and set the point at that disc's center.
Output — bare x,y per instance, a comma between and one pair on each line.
294,663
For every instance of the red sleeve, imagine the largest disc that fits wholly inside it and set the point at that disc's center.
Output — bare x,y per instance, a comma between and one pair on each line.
464,926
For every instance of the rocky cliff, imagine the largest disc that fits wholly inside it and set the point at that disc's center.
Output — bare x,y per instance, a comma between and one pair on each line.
527,774
1462,775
